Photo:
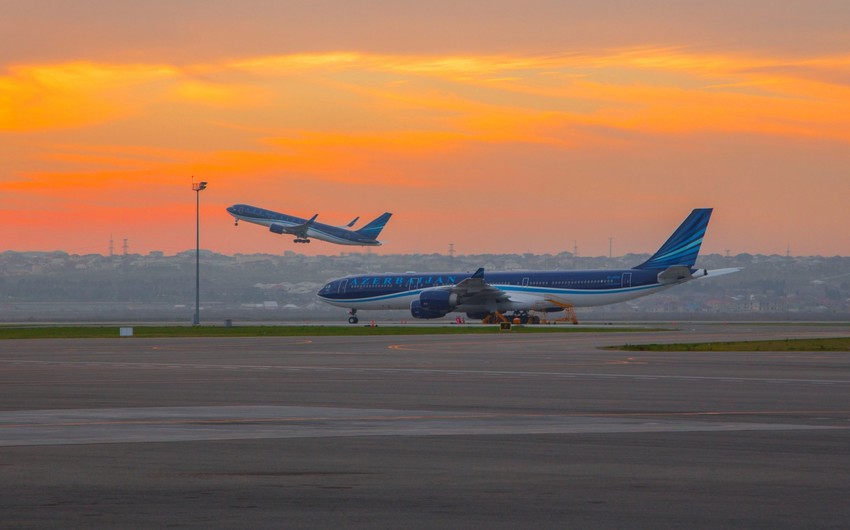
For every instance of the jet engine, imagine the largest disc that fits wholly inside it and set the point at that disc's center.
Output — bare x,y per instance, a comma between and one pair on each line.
433,304
417,311
276,228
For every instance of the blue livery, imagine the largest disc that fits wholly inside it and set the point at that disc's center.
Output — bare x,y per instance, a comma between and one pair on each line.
683,246
480,294
304,229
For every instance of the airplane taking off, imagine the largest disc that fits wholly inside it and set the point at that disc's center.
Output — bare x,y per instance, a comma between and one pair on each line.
304,229
480,295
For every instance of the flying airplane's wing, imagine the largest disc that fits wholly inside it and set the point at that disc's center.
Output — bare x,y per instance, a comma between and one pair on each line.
474,290
353,221
301,230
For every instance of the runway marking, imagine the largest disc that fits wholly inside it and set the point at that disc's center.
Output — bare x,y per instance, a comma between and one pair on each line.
379,417
627,360
229,421
557,339
431,371
175,424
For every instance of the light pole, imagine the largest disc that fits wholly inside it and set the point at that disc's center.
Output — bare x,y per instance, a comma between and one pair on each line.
198,187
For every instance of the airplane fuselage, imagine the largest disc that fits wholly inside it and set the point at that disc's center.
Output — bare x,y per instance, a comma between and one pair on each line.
527,290
302,229
480,294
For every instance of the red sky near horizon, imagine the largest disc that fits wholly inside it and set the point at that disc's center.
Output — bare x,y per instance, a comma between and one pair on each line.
496,126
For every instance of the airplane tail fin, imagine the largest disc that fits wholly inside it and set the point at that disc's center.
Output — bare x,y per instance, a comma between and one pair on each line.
373,229
683,246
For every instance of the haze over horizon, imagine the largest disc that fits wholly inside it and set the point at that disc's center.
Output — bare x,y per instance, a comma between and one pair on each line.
501,127
343,251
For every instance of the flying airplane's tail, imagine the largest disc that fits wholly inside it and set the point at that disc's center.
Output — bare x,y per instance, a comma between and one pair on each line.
683,246
373,229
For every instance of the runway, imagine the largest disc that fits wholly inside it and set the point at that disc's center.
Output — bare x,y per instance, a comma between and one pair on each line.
472,431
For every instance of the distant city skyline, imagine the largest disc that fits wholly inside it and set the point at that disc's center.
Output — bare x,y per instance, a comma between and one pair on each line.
366,253
499,126
44,285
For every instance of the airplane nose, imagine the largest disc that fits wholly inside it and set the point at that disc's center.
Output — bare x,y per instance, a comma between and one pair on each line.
231,209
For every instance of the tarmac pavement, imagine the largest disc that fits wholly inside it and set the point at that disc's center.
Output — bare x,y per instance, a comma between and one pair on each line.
451,431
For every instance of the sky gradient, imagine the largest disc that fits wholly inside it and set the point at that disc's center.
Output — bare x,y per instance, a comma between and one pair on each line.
496,126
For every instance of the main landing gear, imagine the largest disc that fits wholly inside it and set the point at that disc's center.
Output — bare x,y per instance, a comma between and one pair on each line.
300,240
353,318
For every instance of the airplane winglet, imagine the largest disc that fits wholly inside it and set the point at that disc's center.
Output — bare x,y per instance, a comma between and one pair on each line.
479,273
353,221
308,223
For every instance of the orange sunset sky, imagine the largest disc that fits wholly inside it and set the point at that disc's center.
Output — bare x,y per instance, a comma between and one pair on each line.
497,126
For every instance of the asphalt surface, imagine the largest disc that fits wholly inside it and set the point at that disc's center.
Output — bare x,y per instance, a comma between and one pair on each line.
455,431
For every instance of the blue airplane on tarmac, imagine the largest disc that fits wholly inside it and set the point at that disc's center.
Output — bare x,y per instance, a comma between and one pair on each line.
304,229
485,296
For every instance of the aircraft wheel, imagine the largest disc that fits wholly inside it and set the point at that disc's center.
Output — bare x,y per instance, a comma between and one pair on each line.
353,320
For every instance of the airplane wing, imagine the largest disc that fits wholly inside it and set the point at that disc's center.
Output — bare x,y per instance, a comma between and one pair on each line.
474,290
300,230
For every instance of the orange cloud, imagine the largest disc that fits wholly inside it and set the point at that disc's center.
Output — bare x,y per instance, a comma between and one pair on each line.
220,94
486,94
401,130
42,97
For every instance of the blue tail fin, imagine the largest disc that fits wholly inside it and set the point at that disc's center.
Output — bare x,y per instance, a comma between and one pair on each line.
683,246
373,229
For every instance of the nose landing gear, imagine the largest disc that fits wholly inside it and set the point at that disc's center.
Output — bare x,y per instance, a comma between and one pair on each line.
353,318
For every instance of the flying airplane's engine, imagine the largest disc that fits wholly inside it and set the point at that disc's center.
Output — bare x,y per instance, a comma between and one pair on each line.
276,228
433,304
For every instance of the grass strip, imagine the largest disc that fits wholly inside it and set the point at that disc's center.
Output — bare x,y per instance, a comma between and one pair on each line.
810,345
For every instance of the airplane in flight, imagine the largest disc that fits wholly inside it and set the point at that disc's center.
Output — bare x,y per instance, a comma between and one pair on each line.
304,229
485,296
